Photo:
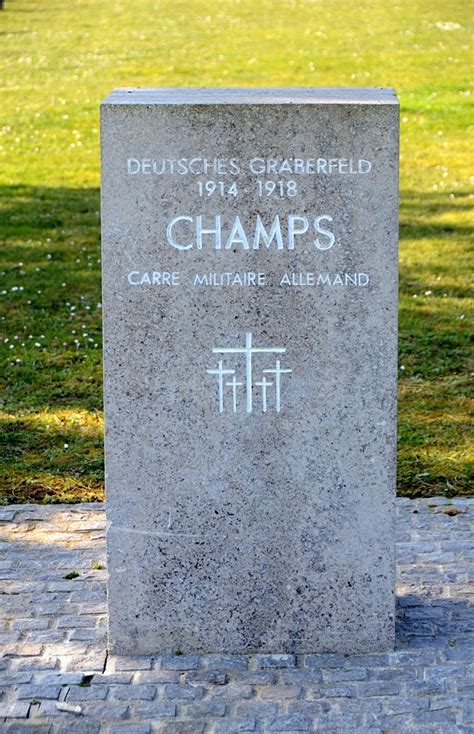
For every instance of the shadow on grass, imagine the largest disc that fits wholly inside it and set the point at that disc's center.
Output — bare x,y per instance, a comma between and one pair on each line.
51,457
51,258
26,211
423,215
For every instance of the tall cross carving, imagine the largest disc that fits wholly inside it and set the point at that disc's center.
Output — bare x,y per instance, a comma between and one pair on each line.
248,351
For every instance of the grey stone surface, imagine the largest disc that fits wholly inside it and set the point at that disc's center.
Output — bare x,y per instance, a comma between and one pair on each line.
432,668
262,519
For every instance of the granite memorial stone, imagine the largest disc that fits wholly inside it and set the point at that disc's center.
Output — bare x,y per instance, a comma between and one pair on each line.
250,314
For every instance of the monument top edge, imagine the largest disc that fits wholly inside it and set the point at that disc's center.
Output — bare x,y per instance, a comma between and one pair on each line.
251,95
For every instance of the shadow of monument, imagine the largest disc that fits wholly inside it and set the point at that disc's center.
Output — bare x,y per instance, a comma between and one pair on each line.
433,622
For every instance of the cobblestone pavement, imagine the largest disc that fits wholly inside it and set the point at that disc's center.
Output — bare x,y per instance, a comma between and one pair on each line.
56,676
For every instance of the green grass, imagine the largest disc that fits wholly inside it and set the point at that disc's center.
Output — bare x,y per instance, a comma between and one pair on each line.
60,58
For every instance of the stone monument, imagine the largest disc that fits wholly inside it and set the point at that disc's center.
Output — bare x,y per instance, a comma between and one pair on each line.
250,314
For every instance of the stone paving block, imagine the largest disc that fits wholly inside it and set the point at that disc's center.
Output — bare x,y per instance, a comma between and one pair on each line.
259,709
35,623
468,712
46,636
379,688
182,727
425,687
87,693
309,708
394,722
36,664
343,674
280,692
112,678
434,613
131,663
338,721
234,726
447,702
79,620
202,709
438,672
27,727
253,677
7,638
53,608
289,722
17,710
340,690
61,679
466,686
7,515
25,651
404,704
325,661
301,676
274,661
38,691
15,679
441,717
462,653
152,711
179,662
184,692
397,674
231,692
214,677
97,611
86,634
104,711
159,676
354,706
92,597
80,726
92,661
67,586
72,648
216,661
428,640
142,692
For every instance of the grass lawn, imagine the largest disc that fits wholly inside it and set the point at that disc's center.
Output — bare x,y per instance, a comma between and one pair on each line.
60,58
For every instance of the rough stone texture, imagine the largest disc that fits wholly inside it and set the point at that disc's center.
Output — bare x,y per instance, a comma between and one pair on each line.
242,529
424,687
